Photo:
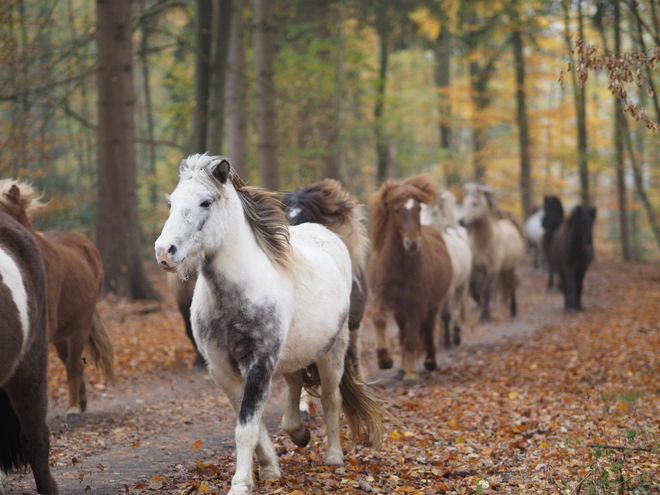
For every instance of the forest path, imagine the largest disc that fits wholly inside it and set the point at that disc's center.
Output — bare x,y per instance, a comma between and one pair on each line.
145,425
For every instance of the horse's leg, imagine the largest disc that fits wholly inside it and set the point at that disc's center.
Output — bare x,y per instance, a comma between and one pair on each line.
29,399
485,298
445,316
511,289
409,335
427,327
385,361
570,289
292,423
71,351
200,362
580,280
353,350
251,436
331,369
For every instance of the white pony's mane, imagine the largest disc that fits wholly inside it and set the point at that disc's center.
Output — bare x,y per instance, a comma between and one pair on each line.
263,211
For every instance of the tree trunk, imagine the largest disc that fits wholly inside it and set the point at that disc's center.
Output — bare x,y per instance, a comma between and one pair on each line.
479,78
579,92
118,226
443,82
145,28
266,123
203,25
526,186
626,248
219,56
382,145
236,97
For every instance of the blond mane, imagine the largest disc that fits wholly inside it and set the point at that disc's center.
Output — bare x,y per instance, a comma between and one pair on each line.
26,202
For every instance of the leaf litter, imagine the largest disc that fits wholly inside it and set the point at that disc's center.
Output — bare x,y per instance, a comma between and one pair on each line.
569,408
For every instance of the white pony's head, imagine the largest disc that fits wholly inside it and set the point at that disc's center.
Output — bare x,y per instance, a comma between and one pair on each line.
204,191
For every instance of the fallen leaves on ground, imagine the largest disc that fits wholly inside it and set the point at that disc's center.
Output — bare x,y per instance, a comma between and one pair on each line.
572,408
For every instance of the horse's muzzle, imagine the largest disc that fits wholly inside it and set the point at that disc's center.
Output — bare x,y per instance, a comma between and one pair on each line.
164,257
412,247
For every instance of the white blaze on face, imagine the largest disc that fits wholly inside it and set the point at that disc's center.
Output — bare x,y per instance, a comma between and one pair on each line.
294,212
410,204
12,278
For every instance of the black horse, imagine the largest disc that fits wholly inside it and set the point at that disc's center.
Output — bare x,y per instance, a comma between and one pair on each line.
571,252
553,216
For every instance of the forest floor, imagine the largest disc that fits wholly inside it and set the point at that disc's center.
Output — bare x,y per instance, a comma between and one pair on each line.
545,403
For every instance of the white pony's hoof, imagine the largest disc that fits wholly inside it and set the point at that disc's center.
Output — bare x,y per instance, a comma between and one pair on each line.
3,482
240,489
334,459
269,473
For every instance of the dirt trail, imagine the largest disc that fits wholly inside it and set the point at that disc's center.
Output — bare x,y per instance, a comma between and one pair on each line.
145,426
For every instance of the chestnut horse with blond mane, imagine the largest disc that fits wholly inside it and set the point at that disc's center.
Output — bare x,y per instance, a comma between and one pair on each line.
409,273
74,272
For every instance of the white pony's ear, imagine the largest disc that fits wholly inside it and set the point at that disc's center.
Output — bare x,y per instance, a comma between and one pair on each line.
220,169
183,166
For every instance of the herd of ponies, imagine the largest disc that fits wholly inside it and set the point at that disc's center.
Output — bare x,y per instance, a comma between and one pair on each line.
270,283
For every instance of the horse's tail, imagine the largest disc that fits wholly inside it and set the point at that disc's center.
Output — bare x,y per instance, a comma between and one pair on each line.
103,355
363,410
11,452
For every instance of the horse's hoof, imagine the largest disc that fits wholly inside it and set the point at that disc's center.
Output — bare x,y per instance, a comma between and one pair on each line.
430,364
271,473
73,417
457,340
386,364
484,319
400,374
301,437
411,382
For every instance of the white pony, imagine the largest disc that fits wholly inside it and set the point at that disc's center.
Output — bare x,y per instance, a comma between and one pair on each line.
268,299
497,246
442,216
534,231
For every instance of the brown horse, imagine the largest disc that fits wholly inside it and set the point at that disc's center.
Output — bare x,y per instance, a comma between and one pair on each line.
327,203
24,437
74,273
409,272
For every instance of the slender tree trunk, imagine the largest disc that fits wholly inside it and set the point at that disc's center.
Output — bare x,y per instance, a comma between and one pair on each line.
145,29
526,186
219,56
236,97
626,248
203,25
266,123
382,145
580,107
479,77
443,83
118,226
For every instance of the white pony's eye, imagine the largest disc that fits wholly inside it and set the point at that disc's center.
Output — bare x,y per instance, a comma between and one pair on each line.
206,203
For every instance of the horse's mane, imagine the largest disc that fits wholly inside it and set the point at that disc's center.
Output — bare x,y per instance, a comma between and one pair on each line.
327,203
419,187
262,209
553,212
28,200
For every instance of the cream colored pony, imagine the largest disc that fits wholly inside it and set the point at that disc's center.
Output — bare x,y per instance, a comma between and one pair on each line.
497,247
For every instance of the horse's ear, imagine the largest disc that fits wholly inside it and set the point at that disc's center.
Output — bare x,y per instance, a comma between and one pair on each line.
490,197
183,166
220,169
14,194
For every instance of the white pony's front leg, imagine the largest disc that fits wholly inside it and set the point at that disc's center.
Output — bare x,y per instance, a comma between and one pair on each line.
251,437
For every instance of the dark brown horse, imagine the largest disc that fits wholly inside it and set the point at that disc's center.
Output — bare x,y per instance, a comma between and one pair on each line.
327,203
571,253
24,437
409,272
74,273
183,293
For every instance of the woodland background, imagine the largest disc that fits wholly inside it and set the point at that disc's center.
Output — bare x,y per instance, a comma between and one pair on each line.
99,102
